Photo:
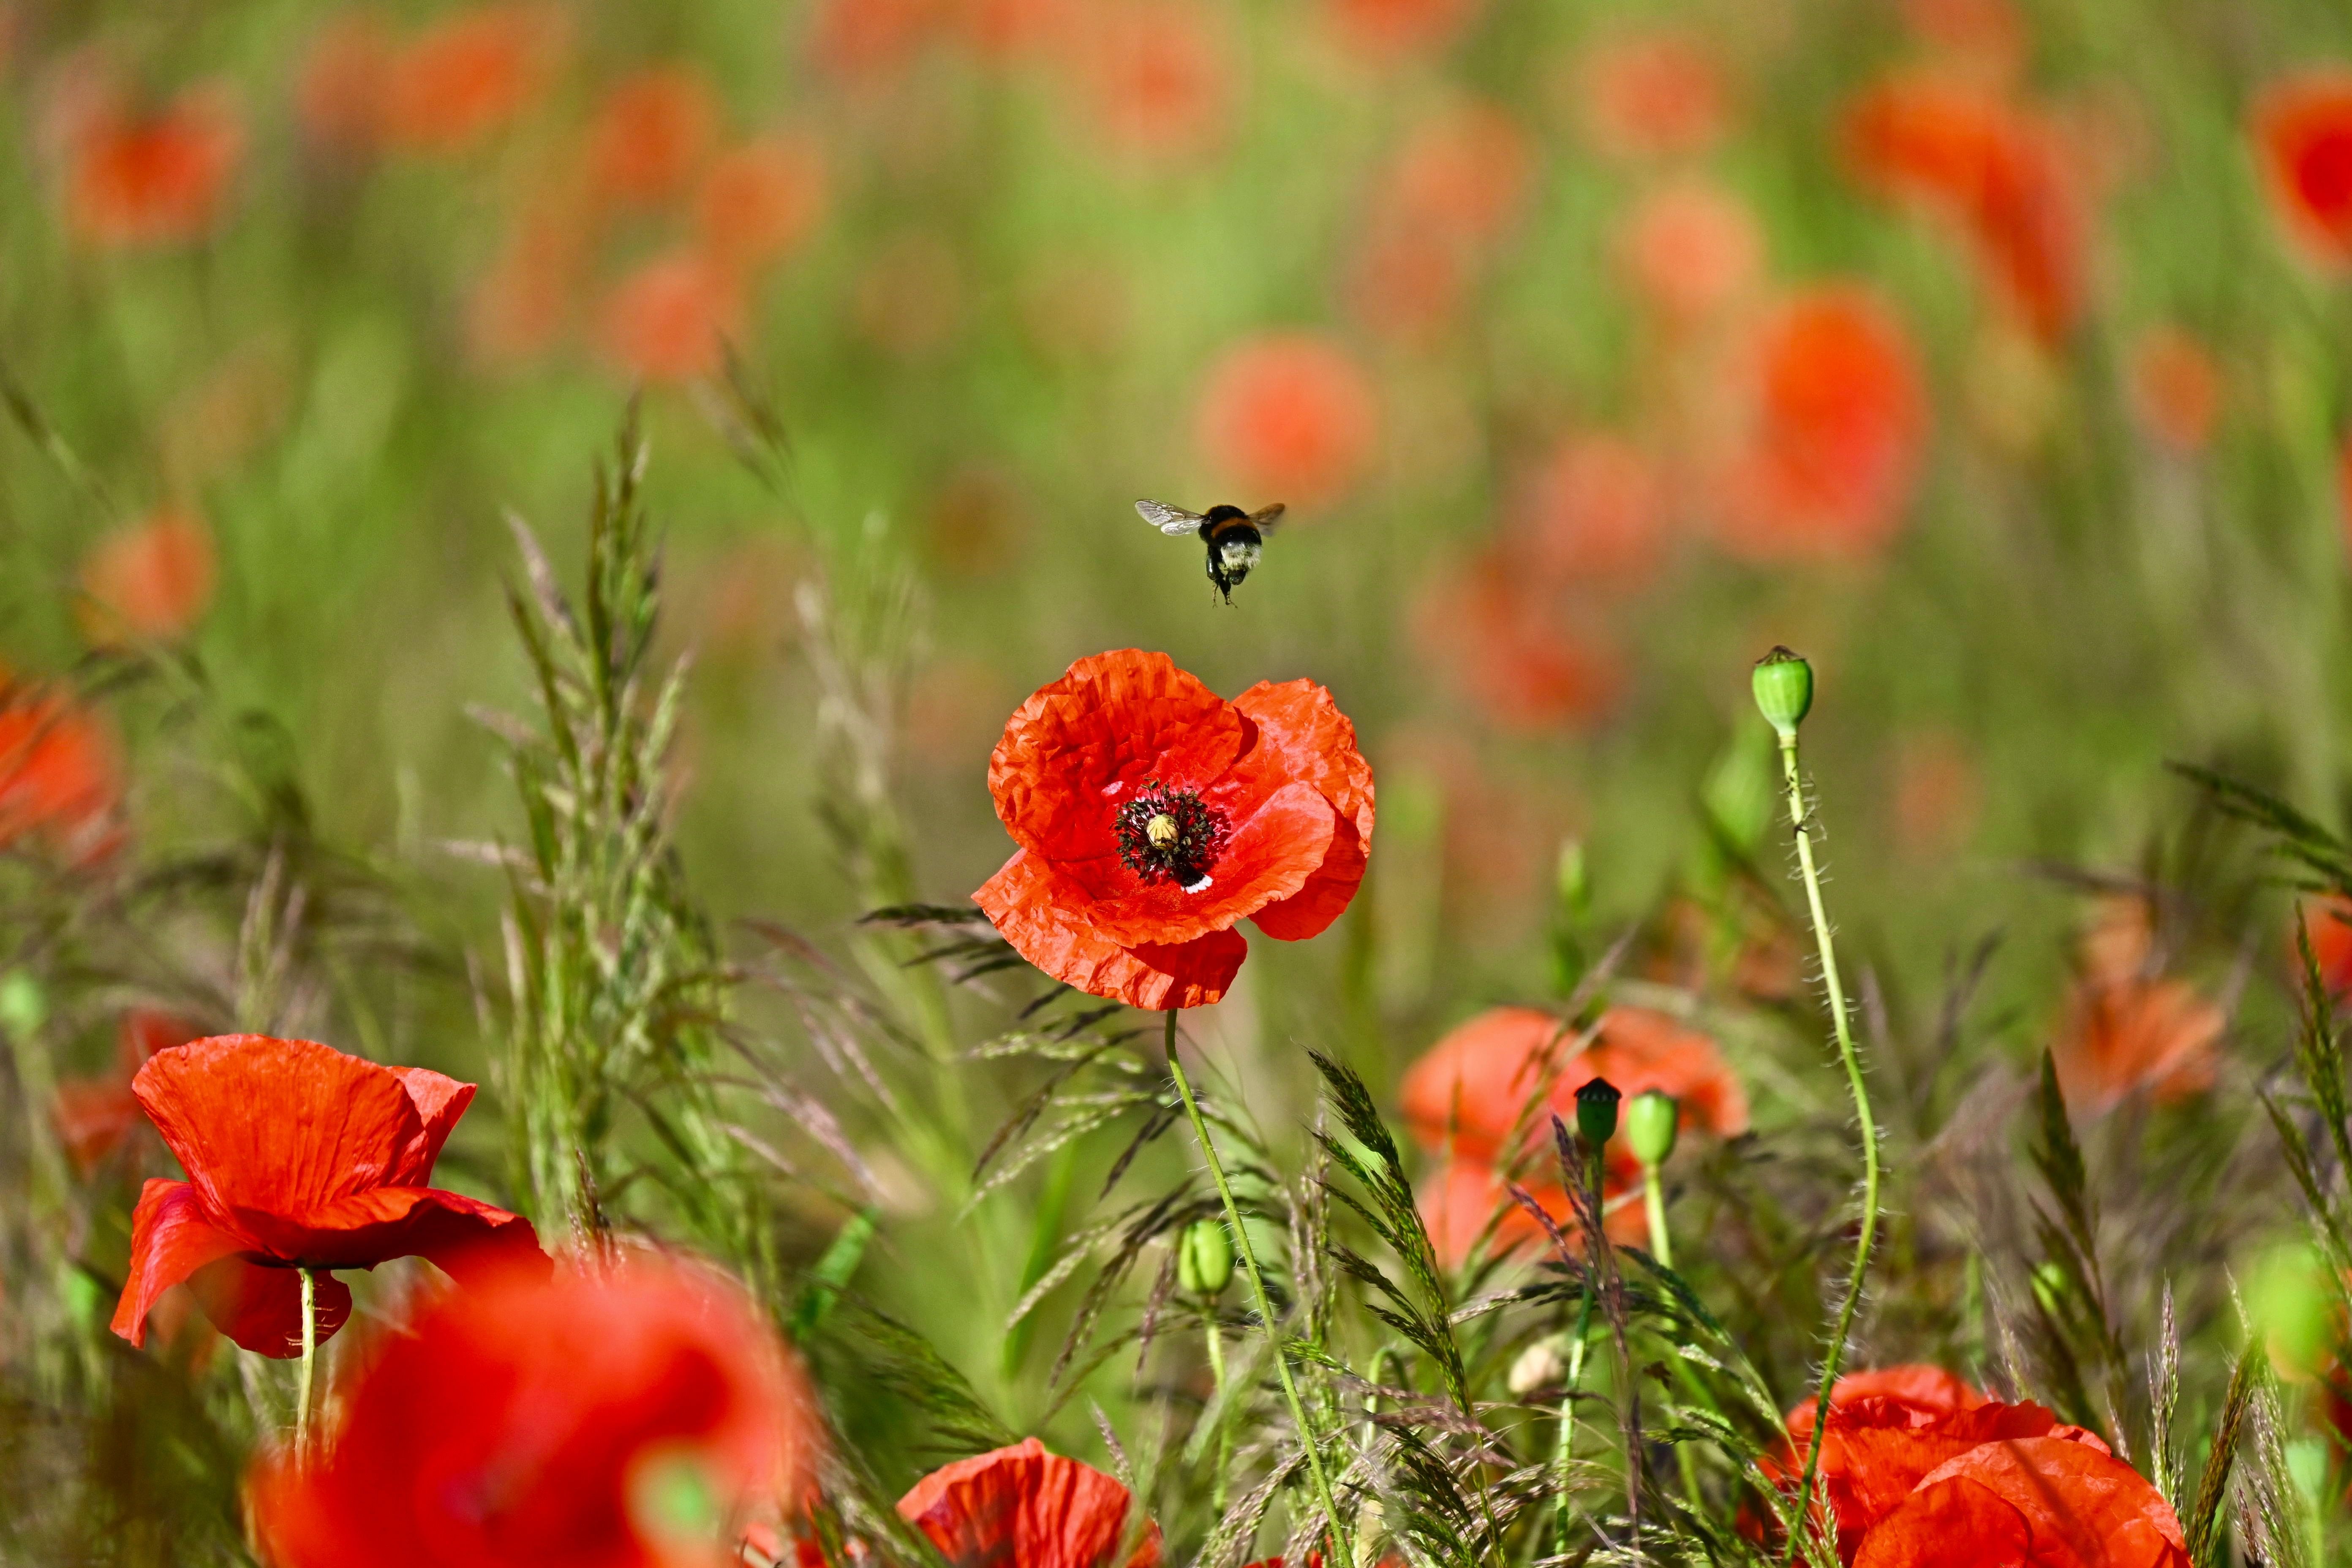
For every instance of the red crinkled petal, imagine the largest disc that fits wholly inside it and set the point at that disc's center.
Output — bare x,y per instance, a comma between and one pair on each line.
449,1229
1044,916
1024,1506
1299,726
439,1101
171,1235
2035,1502
1271,854
281,1127
1469,1089
260,1306
1113,723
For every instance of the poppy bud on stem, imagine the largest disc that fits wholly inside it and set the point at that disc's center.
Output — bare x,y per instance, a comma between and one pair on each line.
1784,693
1306,1437
1650,1122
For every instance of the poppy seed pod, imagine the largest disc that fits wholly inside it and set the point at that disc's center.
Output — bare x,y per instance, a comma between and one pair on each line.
1784,690
1650,1122
1204,1259
1596,1111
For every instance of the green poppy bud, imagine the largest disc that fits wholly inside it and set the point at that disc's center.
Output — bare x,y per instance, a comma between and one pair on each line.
1204,1259
2289,1299
1650,1122
1784,690
1596,1111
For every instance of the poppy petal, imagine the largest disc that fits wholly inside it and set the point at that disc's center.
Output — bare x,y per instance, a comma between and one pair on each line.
2031,1500
1115,721
1023,1505
439,1101
260,1306
1298,723
279,1127
1044,915
1271,856
456,1232
172,1237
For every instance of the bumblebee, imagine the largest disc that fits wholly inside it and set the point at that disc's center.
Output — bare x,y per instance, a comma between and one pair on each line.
1236,538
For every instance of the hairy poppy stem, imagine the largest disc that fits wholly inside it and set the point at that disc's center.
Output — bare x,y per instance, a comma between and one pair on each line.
1564,1515
1216,1338
310,1356
1802,821
1264,1304
1654,1204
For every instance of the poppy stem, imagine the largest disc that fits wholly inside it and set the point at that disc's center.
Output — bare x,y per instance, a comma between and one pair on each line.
1214,1335
1801,820
1243,1249
1564,1515
1654,1204
310,1356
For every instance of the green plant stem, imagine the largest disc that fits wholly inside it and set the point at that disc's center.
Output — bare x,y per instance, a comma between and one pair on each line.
1801,820
1264,1303
310,1357
1215,1338
1563,1515
1654,1203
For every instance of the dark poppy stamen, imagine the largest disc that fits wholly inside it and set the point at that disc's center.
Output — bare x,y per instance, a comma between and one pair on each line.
1170,833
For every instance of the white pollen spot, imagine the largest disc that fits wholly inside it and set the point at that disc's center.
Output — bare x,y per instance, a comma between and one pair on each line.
1197,887
1113,787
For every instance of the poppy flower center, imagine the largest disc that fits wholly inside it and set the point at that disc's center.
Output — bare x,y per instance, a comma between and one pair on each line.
1171,835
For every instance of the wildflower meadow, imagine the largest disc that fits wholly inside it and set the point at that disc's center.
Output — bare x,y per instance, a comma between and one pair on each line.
1176,783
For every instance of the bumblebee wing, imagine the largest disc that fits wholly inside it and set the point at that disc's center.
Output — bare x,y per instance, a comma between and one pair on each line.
1264,522
1169,519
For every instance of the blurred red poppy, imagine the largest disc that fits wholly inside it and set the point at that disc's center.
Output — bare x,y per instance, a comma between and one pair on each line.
1466,169
1515,642
859,41
1156,78
1594,509
760,200
2303,139
2327,921
1969,156
528,299
152,580
1652,94
1152,817
153,177
1511,1070
298,1157
1407,282
1831,418
652,136
2127,1036
1986,38
1004,30
1023,1505
469,75
1690,248
339,87
1290,417
2176,389
669,320
59,776
94,1117
624,1416
2057,1501
1386,31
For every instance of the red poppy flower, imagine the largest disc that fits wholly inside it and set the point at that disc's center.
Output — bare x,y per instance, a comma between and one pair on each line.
1891,1430
760,201
1516,643
1155,77
1153,817
1690,248
1290,416
2328,924
1971,157
2133,1035
1832,417
298,1157
652,136
151,580
526,301
1657,94
1023,1505
469,76
670,318
59,775
2176,389
2303,139
1467,1093
154,178
2034,1502
624,1416
1595,508
1386,31
95,1116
